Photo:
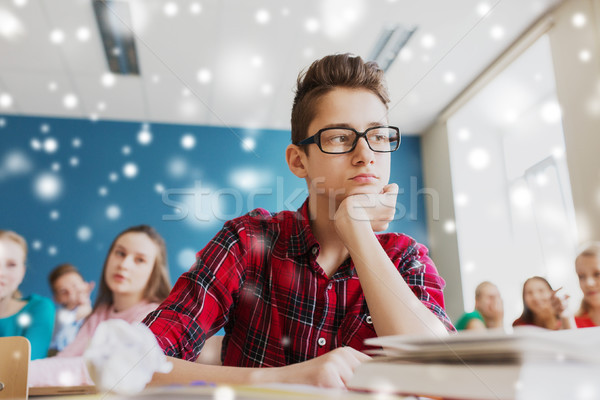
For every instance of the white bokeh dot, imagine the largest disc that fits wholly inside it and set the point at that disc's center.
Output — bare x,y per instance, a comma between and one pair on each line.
204,75
177,167
428,41
47,186
171,9
2,122
130,170
579,20
52,250
54,215
126,150
449,77
50,145
113,212
585,55
449,226
461,200
76,142
113,177
83,34
36,245
311,25
464,134
266,89
188,141
70,101
35,144
24,320
6,100
224,393
256,61
55,166
497,32
52,86
186,258
108,80
44,128
195,8
74,161
248,144
159,188
478,159
262,16
483,8
144,137
102,191
67,378
57,36
84,233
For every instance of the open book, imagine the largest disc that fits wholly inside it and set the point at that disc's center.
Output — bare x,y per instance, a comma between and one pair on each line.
530,363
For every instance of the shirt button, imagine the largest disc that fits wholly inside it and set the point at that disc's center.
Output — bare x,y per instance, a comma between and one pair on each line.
369,320
322,341
314,250
329,286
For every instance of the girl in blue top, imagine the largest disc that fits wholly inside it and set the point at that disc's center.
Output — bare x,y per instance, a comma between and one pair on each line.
31,317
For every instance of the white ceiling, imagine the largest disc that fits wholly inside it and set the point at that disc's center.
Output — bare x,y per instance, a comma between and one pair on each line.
253,65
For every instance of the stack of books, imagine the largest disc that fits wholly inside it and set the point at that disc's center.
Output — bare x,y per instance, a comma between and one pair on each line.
528,363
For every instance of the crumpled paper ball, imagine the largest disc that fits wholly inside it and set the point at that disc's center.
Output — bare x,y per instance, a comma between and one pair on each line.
122,357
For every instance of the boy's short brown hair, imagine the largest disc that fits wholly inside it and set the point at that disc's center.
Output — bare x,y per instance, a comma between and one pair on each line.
327,73
61,270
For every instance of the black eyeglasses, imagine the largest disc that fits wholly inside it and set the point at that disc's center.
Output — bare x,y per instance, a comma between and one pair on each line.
340,140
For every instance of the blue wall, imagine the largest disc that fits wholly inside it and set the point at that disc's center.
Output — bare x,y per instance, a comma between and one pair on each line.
63,201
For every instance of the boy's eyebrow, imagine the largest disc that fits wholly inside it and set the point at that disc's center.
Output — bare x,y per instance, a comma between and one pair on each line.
347,125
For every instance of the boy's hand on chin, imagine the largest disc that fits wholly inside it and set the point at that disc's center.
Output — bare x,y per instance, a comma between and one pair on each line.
375,209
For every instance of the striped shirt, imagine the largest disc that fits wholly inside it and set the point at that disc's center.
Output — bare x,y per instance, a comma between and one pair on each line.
259,279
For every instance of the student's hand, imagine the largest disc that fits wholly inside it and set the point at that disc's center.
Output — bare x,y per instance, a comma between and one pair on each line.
84,302
560,304
376,209
331,370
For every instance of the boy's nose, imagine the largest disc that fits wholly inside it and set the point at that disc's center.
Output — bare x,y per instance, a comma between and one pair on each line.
362,152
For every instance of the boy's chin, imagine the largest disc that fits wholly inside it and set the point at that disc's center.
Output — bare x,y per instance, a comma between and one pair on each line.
370,189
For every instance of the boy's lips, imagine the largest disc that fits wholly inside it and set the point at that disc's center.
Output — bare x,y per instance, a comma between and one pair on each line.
364,178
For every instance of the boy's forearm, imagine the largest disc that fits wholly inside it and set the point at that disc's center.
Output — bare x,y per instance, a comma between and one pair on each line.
393,306
186,372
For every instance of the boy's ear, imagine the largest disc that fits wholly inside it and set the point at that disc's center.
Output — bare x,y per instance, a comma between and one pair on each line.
296,160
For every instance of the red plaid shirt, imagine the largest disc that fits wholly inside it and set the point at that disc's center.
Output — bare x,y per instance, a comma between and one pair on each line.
259,279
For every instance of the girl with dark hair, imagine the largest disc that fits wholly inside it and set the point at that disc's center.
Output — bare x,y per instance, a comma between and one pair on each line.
542,307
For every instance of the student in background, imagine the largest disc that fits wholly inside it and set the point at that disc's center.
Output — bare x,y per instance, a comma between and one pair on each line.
542,307
31,317
72,294
135,278
489,310
291,289
587,266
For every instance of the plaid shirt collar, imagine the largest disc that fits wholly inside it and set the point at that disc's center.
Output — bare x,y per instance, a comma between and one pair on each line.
302,242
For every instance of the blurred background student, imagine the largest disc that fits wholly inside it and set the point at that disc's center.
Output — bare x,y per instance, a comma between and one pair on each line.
543,307
31,317
72,296
489,309
587,266
134,280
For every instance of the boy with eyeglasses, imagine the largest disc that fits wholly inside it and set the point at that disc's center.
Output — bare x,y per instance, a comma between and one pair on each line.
300,291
